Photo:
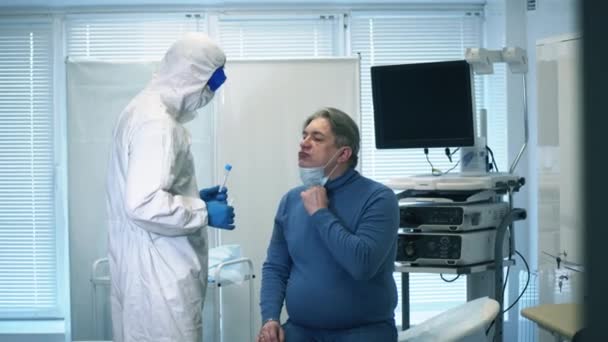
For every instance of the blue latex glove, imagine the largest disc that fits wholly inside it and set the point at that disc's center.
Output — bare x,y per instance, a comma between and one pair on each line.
213,194
220,215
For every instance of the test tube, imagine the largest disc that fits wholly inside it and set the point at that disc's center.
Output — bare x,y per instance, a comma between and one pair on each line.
227,169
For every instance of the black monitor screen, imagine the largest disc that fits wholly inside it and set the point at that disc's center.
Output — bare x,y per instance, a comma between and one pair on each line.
423,105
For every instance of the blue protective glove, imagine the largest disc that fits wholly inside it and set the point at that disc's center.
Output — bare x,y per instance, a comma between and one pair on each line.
213,194
220,215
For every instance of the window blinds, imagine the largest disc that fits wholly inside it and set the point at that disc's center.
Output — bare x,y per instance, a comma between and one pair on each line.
28,258
128,37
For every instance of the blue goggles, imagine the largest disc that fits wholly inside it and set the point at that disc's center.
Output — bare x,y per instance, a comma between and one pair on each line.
217,79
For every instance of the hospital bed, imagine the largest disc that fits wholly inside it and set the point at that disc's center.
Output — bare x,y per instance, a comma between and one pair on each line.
465,323
226,268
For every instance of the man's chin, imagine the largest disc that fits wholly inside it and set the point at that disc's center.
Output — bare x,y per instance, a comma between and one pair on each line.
303,163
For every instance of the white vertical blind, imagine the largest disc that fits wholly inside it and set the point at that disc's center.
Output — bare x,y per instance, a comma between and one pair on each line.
278,36
28,258
128,37
414,37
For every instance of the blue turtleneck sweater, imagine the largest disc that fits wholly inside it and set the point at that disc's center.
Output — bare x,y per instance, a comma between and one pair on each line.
334,268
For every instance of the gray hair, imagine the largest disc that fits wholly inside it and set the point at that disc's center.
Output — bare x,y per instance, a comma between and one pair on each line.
343,127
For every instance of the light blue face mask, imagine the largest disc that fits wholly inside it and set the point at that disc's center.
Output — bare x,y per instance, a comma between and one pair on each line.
313,176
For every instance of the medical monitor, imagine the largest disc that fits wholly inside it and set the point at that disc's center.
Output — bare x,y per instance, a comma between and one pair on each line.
423,105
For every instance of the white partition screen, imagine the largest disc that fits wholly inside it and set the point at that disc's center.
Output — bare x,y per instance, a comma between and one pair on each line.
261,113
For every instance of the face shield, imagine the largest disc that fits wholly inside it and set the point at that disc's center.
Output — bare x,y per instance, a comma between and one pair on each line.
217,79
194,102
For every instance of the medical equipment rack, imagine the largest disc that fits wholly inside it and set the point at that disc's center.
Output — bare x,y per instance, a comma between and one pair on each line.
476,270
101,279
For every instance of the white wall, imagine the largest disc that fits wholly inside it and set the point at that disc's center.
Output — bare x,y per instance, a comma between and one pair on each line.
560,152
551,18
559,161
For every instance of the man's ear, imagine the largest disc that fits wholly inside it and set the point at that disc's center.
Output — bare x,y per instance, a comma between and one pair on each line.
345,155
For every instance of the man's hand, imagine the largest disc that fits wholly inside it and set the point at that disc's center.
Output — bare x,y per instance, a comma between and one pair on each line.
314,198
271,332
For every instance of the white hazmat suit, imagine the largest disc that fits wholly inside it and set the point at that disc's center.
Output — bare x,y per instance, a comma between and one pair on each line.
157,233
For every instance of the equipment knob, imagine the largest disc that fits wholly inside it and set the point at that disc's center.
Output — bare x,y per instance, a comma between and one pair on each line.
409,218
410,249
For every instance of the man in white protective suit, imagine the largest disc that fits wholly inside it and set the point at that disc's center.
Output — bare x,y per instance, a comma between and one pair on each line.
158,219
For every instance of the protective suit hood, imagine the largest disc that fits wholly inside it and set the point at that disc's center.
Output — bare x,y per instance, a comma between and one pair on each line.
183,74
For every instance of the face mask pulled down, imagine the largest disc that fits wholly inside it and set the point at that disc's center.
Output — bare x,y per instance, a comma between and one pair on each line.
313,176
